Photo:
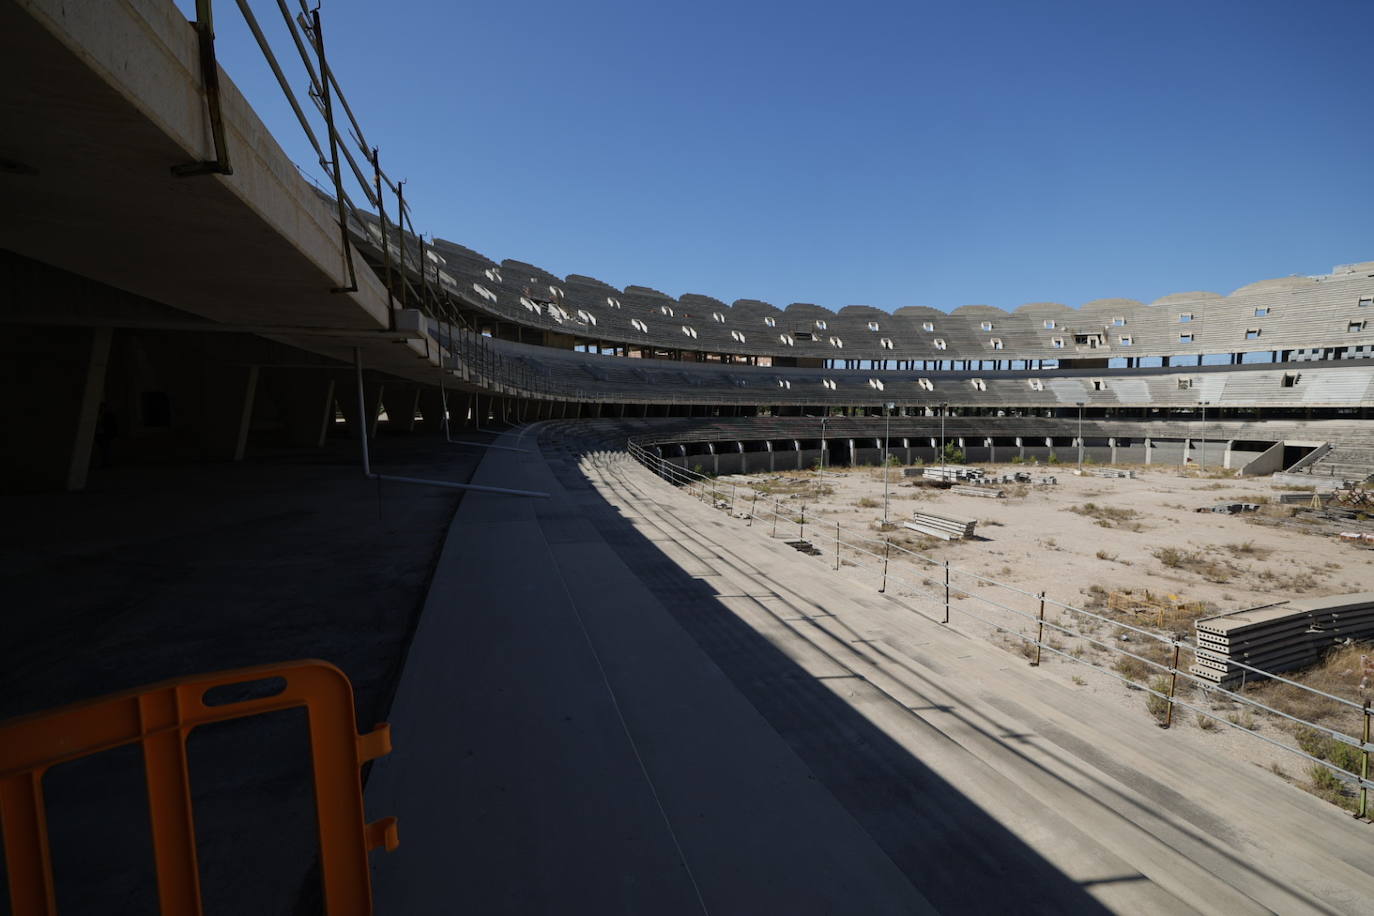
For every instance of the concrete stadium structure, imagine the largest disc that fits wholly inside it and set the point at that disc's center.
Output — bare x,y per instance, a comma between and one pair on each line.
602,700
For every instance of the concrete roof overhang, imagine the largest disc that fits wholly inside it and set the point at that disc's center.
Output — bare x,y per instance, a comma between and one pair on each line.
98,102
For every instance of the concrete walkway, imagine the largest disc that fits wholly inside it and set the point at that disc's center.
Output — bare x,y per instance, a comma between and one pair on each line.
563,746
670,712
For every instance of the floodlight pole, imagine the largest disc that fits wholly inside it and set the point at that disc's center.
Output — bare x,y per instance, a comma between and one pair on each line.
943,410
1202,456
887,438
1080,438
822,418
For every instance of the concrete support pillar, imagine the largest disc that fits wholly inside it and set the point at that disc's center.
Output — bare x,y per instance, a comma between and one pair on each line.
401,405
374,409
346,396
431,406
307,405
227,412
88,412
250,390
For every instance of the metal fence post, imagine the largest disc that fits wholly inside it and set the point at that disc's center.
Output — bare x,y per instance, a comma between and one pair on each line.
775,519
801,526
1363,810
752,503
837,545
946,620
1040,630
1173,684
887,544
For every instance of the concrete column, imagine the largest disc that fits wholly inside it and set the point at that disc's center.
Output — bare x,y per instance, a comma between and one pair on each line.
401,404
250,390
346,396
374,409
431,405
307,404
88,413
227,412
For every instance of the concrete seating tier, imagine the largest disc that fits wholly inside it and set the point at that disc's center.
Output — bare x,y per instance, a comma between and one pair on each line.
1303,315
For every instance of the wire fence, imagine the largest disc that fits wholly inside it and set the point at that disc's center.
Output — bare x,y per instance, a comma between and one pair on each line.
956,588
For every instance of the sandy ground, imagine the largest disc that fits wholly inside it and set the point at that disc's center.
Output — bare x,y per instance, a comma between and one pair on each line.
1033,542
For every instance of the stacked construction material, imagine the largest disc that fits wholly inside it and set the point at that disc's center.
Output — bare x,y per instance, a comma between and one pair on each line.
990,492
944,527
1279,637
1113,472
951,474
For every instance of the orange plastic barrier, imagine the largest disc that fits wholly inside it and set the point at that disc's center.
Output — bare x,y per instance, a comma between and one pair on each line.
160,717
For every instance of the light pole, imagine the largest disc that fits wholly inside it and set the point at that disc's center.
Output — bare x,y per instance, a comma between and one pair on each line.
887,465
1080,438
822,418
823,448
1202,457
943,409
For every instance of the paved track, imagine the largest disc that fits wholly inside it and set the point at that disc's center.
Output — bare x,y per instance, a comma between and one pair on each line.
620,700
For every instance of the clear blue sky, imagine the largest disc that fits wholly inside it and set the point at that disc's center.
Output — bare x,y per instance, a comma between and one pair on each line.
886,154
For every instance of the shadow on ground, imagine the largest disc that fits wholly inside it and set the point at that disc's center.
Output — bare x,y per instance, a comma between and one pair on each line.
157,572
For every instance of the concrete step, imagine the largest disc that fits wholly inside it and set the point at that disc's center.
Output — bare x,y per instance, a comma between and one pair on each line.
1135,801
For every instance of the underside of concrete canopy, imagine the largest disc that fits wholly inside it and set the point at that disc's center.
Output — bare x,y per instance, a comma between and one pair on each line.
89,187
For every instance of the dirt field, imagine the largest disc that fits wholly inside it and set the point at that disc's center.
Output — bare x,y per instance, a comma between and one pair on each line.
1131,550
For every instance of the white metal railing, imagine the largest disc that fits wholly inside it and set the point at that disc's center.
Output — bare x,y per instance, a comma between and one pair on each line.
880,550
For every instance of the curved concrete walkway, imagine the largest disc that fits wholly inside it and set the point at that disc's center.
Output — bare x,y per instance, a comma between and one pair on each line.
620,700
563,746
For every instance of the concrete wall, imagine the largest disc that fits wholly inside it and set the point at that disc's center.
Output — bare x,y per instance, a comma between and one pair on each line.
1266,462
1167,452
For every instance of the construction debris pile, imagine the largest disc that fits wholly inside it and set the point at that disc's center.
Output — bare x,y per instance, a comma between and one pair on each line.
1163,609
